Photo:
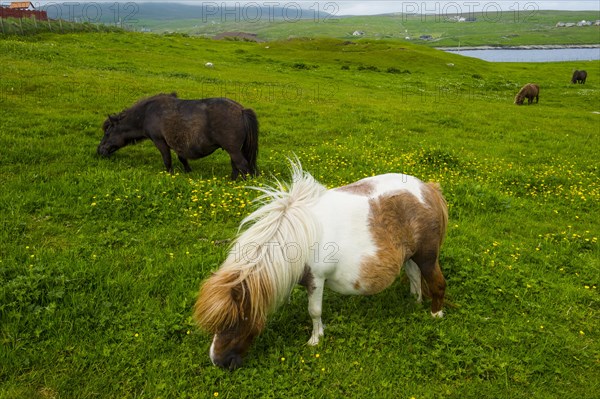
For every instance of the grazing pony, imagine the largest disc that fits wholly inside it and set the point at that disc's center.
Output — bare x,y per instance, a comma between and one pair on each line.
579,77
353,239
192,128
529,92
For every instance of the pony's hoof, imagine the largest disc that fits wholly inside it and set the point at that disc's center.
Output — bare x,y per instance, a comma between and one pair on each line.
439,314
313,341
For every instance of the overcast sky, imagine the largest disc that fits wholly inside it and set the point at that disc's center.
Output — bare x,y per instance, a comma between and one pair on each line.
438,7
337,7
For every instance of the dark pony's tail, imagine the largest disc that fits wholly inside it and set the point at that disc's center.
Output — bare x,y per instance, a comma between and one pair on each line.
250,146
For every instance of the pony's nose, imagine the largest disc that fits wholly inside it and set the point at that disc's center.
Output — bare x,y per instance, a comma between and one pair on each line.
230,362
105,151
235,362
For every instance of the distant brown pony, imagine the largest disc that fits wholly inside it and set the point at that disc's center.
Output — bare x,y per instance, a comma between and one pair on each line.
579,77
192,128
529,92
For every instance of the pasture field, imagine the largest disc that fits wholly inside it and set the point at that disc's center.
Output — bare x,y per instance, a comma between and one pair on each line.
101,259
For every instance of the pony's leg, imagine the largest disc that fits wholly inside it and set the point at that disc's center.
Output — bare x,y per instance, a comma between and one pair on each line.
234,171
239,164
315,301
414,276
432,273
185,163
165,151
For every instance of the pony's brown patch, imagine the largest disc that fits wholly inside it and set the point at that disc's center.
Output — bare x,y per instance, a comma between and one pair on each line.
389,222
361,187
403,227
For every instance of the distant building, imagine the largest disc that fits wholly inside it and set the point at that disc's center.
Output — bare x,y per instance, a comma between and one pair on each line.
580,23
22,9
358,33
21,5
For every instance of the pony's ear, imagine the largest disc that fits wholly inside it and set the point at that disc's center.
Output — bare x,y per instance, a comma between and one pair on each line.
238,292
239,296
113,118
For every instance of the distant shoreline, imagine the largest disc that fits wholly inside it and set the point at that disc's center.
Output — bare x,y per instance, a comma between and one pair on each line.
523,47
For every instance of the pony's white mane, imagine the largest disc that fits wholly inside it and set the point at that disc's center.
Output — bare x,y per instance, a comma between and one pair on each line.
276,244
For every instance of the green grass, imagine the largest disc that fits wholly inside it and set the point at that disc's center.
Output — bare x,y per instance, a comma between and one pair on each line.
31,26
101,259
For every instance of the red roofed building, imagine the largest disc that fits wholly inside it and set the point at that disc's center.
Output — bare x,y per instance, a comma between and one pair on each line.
22,9
21,5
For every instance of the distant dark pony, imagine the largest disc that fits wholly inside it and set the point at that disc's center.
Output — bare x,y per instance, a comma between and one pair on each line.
529,92
579,77
192,128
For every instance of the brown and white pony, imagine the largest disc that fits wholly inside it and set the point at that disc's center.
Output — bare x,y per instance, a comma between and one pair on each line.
353,239
529,92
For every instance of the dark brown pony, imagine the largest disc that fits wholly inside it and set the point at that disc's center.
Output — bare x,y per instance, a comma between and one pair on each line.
529,92
579,77
192,128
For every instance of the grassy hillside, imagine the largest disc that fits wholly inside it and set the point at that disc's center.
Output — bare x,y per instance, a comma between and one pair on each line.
495,29
101,259
506,28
